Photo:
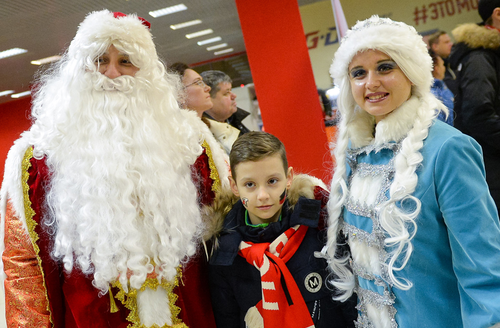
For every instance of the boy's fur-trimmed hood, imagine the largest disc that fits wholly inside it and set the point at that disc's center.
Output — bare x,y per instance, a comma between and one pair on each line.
213,216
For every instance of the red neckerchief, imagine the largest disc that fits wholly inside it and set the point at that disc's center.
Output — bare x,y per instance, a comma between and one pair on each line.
282,304
489,27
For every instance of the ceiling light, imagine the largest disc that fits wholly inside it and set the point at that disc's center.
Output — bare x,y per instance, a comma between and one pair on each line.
222,45
223,51
167,10
185,24
45,60
207,41
6,92
199,33
12,52
21,94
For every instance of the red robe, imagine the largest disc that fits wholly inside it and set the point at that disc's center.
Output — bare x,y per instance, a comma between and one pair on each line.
40,294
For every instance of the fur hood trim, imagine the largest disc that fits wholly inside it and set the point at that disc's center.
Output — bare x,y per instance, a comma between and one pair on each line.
475,36
302,186
398,40
394,127
12,188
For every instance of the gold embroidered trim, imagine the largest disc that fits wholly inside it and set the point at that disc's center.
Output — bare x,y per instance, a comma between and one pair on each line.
129,300
30,213
214,174
112,305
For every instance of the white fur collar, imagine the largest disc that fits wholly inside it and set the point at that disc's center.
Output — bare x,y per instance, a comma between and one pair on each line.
12,188
220,158
224,133
393,127
154,307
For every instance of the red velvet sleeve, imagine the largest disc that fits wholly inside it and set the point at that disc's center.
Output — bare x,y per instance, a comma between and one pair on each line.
201,177
322,195
27,293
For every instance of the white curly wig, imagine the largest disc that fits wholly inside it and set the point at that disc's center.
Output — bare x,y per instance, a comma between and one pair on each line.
121,199
405,46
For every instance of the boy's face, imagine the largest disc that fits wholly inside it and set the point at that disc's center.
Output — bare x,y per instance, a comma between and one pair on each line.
262,186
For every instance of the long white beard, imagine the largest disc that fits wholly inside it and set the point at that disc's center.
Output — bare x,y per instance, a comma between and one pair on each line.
121,195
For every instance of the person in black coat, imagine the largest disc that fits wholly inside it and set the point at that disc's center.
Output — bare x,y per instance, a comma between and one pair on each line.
476,55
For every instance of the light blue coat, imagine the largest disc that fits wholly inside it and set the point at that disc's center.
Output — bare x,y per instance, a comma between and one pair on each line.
455,264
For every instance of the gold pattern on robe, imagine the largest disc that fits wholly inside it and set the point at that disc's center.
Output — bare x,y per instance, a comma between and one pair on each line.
214,174
129,300
112,305
26,302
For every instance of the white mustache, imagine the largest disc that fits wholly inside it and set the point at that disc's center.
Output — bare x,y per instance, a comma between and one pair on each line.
123,83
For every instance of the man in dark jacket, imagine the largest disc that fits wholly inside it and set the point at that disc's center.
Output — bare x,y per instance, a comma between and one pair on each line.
476,56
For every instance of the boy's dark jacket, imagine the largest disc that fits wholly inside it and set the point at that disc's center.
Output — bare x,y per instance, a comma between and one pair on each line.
236,285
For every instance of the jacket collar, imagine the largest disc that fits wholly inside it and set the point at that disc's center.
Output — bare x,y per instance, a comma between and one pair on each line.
306,212
475,36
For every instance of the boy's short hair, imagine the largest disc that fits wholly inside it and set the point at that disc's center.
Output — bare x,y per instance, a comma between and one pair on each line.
254,146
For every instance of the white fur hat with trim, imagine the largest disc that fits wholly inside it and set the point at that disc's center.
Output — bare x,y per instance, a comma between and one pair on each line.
398,40
100,29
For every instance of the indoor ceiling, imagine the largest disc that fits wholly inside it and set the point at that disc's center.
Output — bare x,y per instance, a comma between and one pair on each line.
45,28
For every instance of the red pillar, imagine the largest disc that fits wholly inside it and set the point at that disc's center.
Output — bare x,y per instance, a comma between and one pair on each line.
284,82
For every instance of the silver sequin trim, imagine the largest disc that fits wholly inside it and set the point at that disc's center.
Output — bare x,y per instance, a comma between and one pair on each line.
365,274
352,153
374,239
371,239
379,301
377,236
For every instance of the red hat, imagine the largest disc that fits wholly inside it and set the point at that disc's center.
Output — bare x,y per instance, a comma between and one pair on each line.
117,14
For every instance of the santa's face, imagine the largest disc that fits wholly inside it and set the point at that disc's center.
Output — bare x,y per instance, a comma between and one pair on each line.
114,63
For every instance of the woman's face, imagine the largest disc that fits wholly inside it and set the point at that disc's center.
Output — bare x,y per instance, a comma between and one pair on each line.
378,85
198,96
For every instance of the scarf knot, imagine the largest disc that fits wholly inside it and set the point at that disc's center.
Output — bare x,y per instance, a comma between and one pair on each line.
282,303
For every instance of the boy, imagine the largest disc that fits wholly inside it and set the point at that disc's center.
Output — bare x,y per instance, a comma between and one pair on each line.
263,272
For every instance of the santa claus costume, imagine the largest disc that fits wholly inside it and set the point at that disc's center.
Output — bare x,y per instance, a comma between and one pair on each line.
100,215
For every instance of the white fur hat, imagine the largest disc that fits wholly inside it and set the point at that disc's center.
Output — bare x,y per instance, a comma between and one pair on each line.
399,41
100,29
